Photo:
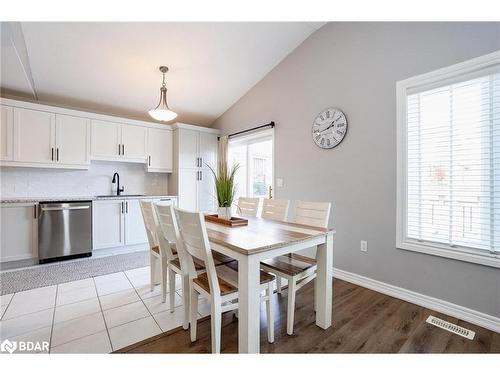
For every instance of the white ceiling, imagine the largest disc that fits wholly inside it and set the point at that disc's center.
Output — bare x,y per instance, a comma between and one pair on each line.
113,67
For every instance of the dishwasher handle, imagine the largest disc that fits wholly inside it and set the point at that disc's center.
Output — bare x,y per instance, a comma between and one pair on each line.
65,208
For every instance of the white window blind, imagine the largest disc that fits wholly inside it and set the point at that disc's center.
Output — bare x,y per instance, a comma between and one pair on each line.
453,163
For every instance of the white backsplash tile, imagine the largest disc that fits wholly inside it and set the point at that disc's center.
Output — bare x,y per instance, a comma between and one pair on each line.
40,182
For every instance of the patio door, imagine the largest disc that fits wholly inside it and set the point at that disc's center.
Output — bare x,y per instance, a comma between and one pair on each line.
254,155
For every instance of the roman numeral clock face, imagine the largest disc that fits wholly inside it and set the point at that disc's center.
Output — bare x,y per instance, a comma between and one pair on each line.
329,128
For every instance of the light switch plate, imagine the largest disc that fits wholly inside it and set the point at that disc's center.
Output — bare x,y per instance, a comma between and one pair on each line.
364,246
279,182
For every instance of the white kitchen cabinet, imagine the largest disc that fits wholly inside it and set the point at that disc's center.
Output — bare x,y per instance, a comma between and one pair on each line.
6,133
208,145
72,140
135,231
192,181
134,143
106,140
18,228
108,224
118,142
34,136
117,222
187,148
160,150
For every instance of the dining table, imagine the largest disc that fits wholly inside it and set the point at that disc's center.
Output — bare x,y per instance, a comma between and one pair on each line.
263,239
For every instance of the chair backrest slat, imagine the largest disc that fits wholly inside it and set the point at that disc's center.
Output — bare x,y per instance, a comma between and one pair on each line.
149,221
248,207
315,214
194,237
275,209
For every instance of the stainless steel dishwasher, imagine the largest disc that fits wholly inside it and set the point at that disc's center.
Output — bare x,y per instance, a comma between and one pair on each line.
64,230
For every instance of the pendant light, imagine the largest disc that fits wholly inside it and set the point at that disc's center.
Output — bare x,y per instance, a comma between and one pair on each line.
162,112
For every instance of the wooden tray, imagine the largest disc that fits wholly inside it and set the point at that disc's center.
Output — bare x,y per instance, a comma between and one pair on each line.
234,222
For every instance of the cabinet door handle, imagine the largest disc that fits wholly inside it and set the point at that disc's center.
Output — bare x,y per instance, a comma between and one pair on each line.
34,211
119,149
57,154
121,204
149,160
123,149
126,207
201,162
201,175
52,153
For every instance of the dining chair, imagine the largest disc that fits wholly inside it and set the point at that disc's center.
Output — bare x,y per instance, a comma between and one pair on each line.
219,285
168,236
156,254
248,207
275,209
298,269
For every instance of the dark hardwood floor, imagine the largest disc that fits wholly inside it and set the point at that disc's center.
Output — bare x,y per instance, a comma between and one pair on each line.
364,321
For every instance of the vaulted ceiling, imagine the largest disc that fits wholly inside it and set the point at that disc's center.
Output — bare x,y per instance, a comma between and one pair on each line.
113,67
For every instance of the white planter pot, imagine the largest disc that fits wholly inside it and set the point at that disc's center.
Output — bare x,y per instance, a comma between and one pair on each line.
224,213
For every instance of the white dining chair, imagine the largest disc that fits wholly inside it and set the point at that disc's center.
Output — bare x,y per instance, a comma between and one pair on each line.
275,209
218,284
298,269
248,207
158,257
182,264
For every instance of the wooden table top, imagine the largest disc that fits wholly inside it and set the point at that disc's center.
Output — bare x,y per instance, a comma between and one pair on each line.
261,235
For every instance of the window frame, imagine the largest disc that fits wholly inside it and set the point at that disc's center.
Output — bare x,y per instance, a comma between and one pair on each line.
437,77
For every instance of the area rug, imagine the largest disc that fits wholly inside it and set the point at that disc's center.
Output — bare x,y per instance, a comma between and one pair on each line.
14,281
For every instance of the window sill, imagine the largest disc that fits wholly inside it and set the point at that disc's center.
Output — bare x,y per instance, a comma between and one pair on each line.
463,255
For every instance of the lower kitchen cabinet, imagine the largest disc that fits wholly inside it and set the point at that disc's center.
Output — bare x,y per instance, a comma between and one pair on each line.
135,232
108,224
117,222
19,228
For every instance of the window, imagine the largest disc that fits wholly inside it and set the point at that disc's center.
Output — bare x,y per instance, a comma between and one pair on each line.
254,155
449,162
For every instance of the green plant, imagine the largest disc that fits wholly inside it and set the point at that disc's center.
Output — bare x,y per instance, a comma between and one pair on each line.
224,184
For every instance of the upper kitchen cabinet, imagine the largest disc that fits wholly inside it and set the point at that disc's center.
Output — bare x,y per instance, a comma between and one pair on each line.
160,150
208,145
106,140
118,142
34,136
6,133
72,140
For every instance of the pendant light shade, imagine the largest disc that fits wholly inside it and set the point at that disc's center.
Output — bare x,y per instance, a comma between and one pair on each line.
162,112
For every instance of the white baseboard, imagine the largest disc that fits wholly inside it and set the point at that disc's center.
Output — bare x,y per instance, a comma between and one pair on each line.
472,316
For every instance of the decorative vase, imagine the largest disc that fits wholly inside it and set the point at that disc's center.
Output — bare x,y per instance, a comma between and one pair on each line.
224,213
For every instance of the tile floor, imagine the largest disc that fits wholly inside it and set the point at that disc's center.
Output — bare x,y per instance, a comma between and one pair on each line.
95,315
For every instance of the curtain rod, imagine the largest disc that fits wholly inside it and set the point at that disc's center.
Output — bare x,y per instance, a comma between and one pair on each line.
271,125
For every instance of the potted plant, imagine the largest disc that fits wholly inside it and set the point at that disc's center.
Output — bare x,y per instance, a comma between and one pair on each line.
225,189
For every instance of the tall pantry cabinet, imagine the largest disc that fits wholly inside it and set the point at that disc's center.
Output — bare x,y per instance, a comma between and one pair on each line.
195,149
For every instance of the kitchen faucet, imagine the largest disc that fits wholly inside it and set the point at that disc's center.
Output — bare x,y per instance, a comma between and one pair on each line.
116,178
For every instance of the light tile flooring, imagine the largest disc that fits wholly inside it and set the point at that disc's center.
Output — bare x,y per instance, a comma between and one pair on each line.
95,315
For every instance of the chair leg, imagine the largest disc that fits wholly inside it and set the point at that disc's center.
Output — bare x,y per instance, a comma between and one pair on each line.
315,295
193,307
185,300
171,289
270,313
152,264
164,271
292,286
278,284
216,319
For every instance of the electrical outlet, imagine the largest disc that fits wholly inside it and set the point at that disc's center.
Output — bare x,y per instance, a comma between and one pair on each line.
364,246
279,182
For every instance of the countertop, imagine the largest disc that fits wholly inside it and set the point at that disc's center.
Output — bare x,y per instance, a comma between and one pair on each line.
80,198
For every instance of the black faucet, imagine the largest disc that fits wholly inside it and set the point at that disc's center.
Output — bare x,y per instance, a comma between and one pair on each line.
116,178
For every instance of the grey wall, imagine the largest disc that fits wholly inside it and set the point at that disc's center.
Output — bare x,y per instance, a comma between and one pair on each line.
355,66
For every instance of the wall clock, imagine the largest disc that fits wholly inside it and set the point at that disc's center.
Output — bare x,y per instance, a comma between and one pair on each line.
329,128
